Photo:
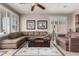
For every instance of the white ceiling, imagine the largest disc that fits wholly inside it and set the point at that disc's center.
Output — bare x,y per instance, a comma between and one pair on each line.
50,8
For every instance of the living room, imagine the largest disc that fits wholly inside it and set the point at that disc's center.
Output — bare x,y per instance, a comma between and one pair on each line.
39,29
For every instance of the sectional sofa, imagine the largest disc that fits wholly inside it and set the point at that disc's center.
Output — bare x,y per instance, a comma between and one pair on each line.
16,39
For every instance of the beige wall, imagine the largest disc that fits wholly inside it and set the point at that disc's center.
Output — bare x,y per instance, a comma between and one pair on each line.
23,19
31,17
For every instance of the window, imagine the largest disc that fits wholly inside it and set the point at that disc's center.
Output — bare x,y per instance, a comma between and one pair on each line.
0,20
60,23
13,23
3,20
8,21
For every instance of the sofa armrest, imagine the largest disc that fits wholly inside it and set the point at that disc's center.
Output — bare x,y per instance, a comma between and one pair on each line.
63,39
48,35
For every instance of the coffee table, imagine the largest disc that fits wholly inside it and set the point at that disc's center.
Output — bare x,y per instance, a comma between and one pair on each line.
38,42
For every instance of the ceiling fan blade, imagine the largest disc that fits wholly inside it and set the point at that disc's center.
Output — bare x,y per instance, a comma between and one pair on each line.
42,7
32,8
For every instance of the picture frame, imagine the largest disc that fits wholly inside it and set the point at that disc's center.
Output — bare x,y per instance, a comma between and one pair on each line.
30,24
42,24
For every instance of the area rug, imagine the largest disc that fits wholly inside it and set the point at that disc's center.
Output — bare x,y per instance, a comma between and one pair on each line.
2,53
38,51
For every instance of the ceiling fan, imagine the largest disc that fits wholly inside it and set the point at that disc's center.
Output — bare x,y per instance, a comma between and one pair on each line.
36,5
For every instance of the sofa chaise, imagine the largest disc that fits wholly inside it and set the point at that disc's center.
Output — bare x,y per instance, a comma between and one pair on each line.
69,42
13,40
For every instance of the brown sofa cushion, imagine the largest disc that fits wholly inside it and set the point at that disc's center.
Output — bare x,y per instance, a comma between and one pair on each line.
25,33
19,34
14,35
15,41
43,33
31,33
63,39
36,33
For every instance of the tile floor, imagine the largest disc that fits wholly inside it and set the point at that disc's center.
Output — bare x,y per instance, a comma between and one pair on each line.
38,51
2,53
12,51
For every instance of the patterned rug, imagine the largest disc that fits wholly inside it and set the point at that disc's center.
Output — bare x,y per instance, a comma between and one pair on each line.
2,53
38,51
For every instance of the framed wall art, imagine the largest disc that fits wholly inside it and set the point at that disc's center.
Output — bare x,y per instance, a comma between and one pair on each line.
30,24
42,24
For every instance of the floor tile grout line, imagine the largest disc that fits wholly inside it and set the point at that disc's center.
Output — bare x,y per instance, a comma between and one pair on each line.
17,50
4,52
59,49
38,51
